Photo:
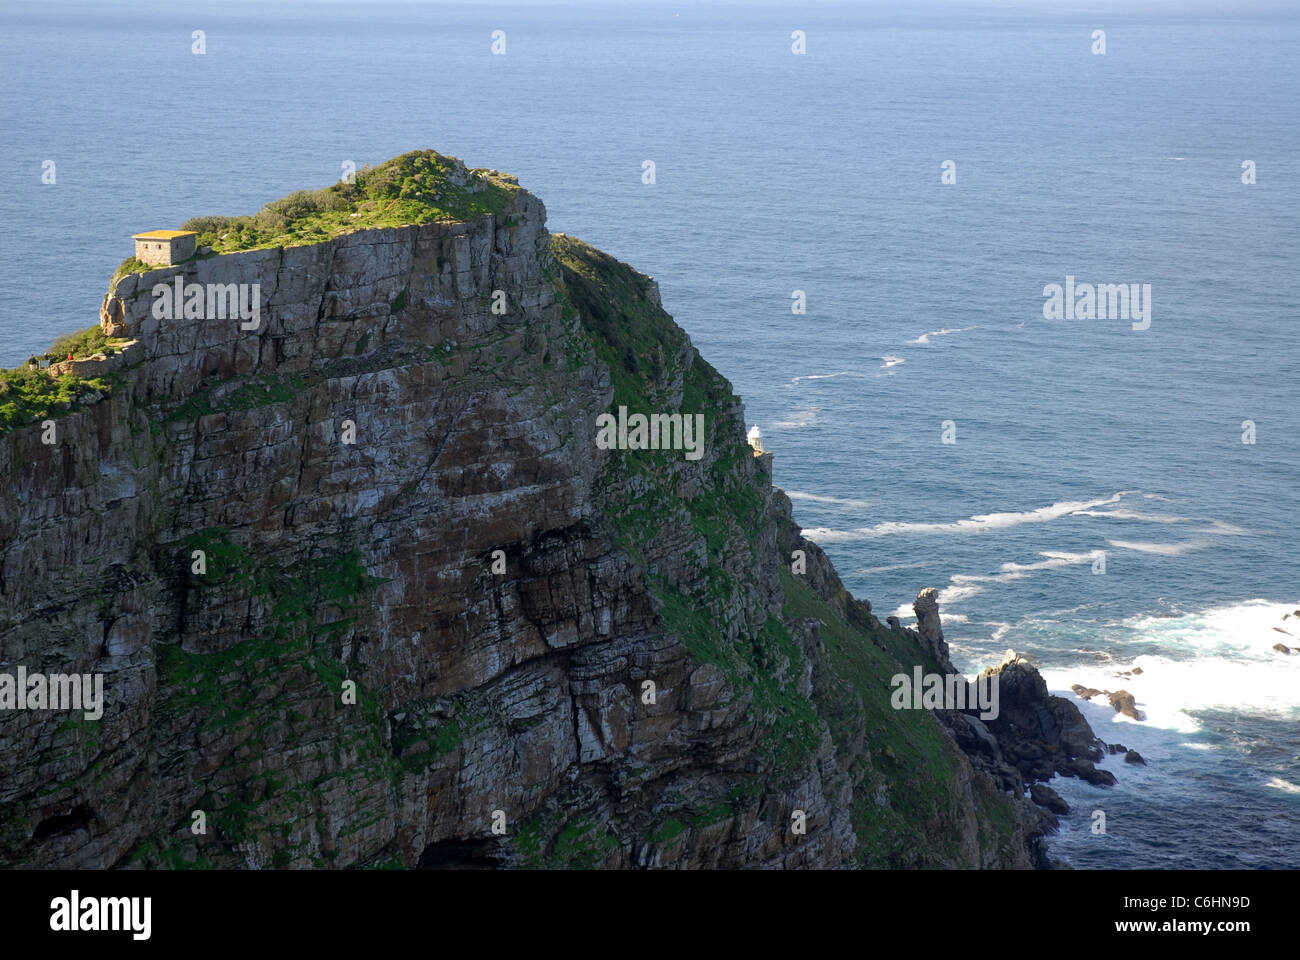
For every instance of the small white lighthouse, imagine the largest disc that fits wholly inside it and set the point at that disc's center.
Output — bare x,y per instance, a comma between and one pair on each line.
756,440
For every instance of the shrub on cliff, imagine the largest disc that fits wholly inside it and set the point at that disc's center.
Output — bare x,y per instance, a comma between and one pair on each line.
28,394
417,187
84,343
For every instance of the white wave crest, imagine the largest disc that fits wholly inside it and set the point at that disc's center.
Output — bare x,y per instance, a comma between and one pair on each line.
980,523
925,337
832,501
797,420
825,376
1160,549
1220,658
892,566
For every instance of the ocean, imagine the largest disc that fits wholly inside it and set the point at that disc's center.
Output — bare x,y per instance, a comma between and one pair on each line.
775,172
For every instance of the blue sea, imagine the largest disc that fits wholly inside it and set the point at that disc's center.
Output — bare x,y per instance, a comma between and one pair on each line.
821,173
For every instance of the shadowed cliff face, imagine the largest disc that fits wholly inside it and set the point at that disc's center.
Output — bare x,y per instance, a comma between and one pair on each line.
499,591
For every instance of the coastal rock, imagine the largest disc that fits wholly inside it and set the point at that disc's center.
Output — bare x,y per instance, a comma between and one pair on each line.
928,624
1086,770
1035,735
1282,648
1045,796
1124,703
1041,733
1132,756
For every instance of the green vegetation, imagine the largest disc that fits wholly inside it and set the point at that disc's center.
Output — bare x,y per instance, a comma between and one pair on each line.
636,339
415,188
908,809
129,265
84,344
578,843
258,391
224,688
29,395
649,358
668,831
279,679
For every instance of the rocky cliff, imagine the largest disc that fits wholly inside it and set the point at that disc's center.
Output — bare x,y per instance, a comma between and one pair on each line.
365,591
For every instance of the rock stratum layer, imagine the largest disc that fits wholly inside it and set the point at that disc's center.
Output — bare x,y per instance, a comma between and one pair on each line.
375,563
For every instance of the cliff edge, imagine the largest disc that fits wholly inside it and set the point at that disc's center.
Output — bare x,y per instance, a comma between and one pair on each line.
365,589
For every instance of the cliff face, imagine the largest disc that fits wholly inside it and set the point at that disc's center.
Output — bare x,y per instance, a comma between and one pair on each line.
499,591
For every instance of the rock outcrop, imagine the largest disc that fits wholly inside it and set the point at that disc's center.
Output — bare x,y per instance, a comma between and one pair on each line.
365,591
1123,701
928,624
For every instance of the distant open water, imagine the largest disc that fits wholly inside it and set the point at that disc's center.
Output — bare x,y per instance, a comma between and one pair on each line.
821,173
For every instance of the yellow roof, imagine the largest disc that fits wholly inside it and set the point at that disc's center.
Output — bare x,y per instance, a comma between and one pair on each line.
163,234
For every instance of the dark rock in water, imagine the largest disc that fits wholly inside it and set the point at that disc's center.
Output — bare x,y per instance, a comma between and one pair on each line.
1124,703
1136,671
1114,748
894,623
1121,700
1134,757
1280,630
1045,796
1036,769
1038,732
1084,770
1281,648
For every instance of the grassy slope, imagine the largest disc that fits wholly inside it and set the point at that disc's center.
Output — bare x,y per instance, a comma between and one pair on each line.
417,187
906,806
30,394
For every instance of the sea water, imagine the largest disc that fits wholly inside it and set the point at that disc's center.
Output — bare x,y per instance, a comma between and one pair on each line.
821,173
